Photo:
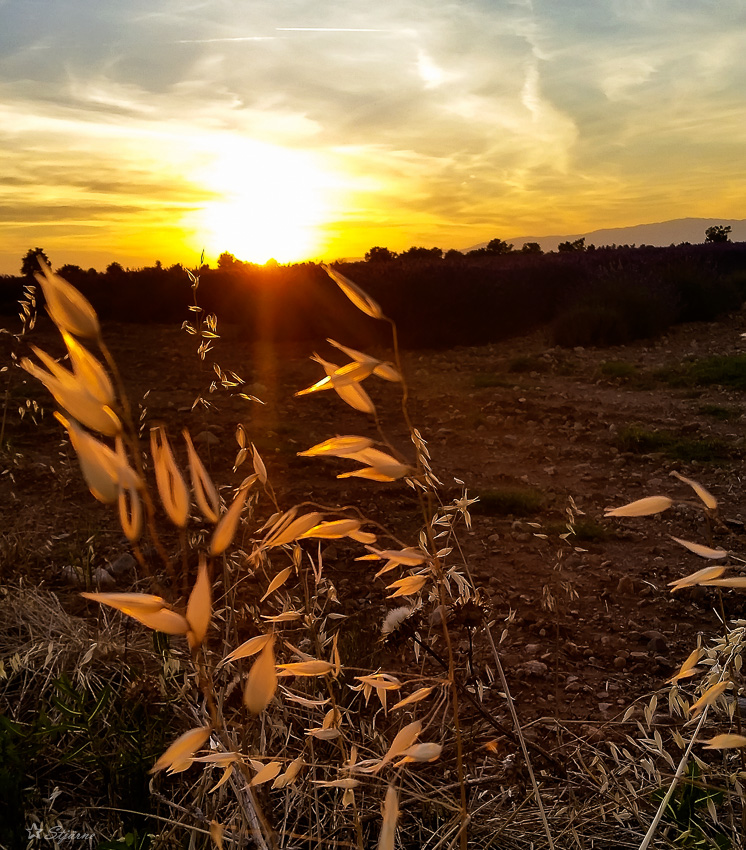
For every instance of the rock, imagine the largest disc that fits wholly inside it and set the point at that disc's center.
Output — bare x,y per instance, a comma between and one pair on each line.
206,438
330,553
533,668
103,578
620,663
656,641
572,649
626,586
72,574
122,565
592,734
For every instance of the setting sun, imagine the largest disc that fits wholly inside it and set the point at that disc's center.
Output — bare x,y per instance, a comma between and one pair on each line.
270,203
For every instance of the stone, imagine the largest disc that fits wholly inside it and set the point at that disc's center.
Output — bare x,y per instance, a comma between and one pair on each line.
103,578
206,438
533,668
122,565
72,574
626,585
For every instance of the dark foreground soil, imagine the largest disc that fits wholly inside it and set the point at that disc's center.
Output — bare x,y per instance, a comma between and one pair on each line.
516,416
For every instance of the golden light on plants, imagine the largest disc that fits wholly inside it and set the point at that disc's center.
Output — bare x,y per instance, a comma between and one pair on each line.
270,202
254,555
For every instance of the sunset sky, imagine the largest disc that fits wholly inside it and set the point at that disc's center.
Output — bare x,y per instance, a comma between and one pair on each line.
136,130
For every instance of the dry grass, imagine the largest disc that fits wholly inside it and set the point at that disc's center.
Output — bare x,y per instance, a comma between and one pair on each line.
331,728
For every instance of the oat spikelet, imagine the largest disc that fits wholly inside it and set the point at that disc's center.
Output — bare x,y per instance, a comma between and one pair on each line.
387,839
359,298
699,549
183,748
642,507
171,485
72,395
225,530
199,607
262,680
204,490
69,310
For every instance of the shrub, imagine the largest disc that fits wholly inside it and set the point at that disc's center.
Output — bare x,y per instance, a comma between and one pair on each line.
590,326
617,311
702,293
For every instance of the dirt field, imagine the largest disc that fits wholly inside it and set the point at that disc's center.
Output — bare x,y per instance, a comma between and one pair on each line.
519,417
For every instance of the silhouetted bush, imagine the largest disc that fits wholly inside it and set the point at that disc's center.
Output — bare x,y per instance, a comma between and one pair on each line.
702,291
615,313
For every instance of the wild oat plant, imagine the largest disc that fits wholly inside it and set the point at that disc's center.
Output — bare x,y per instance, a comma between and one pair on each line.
287,742
282,738
702,804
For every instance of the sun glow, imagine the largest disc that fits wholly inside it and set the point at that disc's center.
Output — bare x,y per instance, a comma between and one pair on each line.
271,203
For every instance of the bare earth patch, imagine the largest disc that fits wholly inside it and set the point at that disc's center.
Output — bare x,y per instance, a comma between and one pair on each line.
513,418
510,420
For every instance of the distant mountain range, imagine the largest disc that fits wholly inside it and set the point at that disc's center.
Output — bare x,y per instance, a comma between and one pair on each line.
661,233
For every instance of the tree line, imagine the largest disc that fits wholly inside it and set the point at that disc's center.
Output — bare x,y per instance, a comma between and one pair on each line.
608,295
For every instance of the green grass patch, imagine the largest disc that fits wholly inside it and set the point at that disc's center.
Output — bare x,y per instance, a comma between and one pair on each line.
718,412
639,440
501,501
528,363
618,369
590,531
723,370
492,379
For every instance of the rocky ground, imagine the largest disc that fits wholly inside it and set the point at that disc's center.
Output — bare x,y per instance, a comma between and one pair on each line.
594,625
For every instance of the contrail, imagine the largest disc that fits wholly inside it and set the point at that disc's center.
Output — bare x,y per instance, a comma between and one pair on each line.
214,40
325,29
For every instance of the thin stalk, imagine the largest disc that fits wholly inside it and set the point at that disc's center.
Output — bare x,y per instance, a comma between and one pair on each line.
521,737
672,787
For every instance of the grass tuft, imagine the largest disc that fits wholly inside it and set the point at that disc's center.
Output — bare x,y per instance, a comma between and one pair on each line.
640,440
503,501
727,370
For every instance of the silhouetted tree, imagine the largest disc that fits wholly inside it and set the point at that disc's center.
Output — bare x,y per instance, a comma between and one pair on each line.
72,273
415,253
453,254
114,269
226,261
718,233
380,255
498,246
577,245
531,248
30,263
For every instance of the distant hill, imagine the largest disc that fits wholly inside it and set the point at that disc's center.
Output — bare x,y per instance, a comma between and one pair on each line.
660,233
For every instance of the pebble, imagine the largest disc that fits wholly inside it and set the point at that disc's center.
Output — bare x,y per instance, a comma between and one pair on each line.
207,438
103,578
125,563
626,585
72,574
533,668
